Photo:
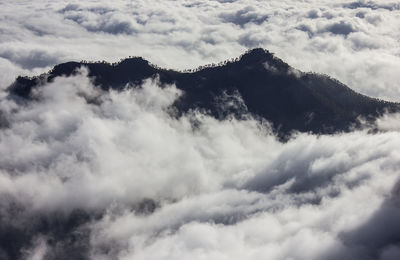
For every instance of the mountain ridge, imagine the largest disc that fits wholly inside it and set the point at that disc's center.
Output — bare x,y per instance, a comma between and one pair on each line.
269,88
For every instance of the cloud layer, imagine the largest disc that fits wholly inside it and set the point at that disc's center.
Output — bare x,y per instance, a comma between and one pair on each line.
356,42
116,175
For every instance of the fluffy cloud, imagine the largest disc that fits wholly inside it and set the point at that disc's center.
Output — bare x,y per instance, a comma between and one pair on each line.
29,59
105,175
356,42
110,175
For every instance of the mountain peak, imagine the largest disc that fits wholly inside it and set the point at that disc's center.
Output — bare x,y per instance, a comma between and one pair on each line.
256,52
134,61
263,59
256,56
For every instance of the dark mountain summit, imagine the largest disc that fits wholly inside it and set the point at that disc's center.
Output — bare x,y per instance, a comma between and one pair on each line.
268,87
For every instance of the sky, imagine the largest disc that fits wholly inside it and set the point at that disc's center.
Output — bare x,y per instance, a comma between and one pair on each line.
121,178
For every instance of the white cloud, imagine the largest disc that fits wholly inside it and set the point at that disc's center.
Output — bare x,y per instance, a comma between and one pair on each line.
159,188
357,42
222,190
389,122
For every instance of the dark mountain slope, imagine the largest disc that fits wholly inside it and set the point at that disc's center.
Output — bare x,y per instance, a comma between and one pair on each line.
270,89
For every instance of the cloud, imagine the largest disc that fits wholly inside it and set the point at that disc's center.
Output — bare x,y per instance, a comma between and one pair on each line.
99,19
388,122
253,39
341,28
123,177
373,5
375,239
244,16
29,59
313,14
363,41
354,42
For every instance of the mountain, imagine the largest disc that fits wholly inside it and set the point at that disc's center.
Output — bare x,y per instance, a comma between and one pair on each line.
256,82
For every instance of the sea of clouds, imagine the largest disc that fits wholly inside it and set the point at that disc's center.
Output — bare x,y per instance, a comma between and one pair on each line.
118,175
354,41
151,185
